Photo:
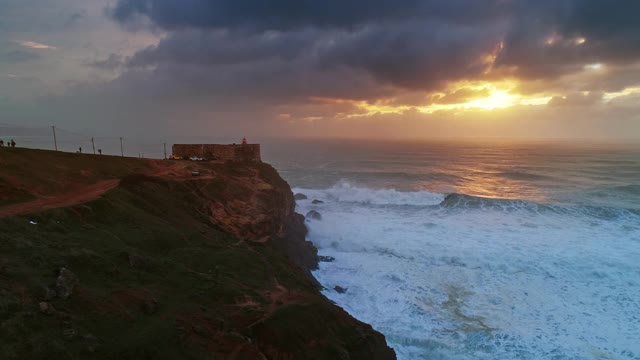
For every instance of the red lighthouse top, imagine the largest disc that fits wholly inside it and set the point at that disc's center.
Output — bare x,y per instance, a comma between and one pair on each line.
244,141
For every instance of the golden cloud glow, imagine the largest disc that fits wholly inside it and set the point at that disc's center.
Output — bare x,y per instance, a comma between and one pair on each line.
499,95
596,67
491,96
552,39
497,100
35,45
484,96
626,92
555,39
489,60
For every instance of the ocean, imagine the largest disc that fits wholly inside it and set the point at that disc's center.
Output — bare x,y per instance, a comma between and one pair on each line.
485,250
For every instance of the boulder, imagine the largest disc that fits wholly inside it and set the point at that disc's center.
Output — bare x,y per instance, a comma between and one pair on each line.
299,196
46,308
317,202
340,289
65,283
314,215
327,258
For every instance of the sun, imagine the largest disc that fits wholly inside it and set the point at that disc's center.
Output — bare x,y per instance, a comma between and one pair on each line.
497,99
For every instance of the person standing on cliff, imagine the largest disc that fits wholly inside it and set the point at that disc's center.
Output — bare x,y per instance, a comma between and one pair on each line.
13,143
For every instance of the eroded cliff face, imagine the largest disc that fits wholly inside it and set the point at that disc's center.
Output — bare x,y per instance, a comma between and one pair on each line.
257,205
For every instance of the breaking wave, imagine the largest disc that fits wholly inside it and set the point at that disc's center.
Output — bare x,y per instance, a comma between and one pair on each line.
460,201
345,192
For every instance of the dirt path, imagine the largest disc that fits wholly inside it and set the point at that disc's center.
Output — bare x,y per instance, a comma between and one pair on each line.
80,196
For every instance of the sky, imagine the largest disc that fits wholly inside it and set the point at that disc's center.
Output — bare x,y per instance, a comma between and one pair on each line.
406,69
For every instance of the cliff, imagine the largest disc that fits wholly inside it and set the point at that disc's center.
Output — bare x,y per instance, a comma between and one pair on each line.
162,265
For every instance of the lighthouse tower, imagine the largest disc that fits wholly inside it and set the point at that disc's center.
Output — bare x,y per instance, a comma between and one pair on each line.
244,141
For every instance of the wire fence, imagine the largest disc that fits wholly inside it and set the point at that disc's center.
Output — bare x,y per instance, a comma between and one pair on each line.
62,139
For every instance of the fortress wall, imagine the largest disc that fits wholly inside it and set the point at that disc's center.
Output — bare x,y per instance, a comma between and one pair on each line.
248,152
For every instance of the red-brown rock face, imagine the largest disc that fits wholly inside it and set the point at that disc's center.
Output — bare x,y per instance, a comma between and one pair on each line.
257,205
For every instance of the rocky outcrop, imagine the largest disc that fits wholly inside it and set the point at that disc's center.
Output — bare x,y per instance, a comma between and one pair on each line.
310,324
46,308
265,212
295,246
258,206
314,215
340,289
293,240
66,283
327,258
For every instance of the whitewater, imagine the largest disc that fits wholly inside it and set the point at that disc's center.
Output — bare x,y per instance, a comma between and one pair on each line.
501,252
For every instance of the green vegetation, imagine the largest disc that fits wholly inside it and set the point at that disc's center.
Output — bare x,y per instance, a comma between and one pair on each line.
25,172
10,194
157,278
132,249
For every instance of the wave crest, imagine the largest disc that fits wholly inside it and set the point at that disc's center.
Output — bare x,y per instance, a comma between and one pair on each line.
461,201
345,192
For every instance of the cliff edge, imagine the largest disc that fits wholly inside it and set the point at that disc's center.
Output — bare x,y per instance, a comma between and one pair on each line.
140,260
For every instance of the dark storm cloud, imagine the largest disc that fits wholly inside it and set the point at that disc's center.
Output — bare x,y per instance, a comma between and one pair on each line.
610,31
223,47
411,55
262,15
602,19
18,56
269,82
291,49
416,55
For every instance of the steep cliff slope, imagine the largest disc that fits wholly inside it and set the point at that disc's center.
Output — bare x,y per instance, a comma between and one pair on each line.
167,267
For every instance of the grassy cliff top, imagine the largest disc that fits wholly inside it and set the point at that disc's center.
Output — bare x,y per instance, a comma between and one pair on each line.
27,174
155,274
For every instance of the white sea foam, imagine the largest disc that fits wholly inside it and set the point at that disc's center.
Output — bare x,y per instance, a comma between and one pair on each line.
490,282
345,192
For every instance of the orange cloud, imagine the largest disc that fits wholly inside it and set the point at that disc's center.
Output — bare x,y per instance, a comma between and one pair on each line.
35,45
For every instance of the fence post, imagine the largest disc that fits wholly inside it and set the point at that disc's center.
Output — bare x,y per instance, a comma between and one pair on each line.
55,140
